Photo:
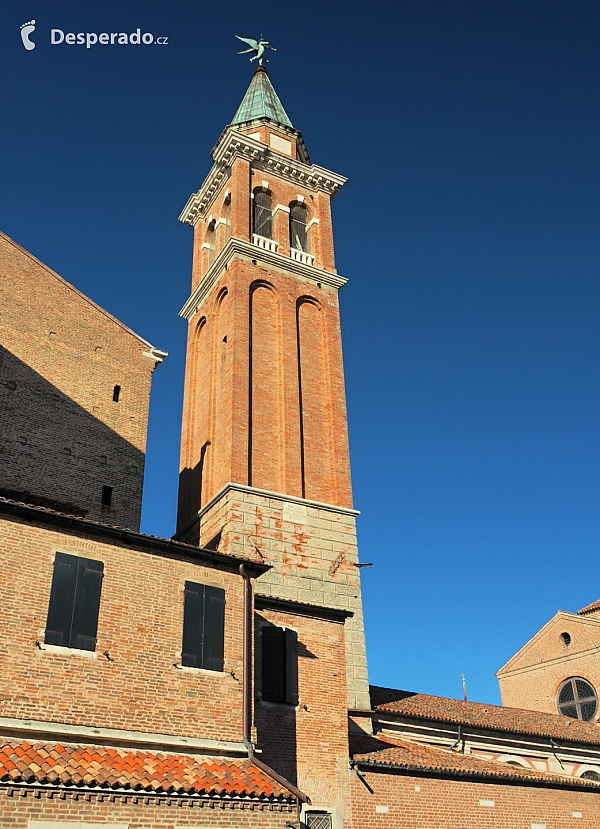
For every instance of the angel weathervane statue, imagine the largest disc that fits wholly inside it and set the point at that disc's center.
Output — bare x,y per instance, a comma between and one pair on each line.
257,46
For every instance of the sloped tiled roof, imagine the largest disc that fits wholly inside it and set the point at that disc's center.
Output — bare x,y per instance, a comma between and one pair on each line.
590,608
148,771
418,757
261,101
482,715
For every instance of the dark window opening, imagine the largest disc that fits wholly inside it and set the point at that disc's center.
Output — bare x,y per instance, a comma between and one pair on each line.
74,602
565,638
261,214
203,626
577,699
590,775
279,665
106,499
116,393
298,234
210,238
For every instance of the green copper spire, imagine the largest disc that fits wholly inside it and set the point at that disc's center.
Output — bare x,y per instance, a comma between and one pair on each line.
261,101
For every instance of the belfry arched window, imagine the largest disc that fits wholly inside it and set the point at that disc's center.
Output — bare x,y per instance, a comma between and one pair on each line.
577,699
262,214
227,217
210,241
298,234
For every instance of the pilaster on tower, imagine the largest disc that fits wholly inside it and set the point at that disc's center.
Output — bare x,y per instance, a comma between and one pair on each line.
265,467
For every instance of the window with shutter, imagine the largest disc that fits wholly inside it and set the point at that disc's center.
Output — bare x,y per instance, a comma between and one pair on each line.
203,626
72,620
279,664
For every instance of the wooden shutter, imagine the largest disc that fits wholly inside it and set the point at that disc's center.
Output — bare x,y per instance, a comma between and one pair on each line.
193,617
291,666
87,604
214,628
273,664
74,602
62,599
203,626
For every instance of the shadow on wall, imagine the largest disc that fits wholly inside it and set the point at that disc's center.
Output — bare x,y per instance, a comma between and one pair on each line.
189,501
56,454
275,721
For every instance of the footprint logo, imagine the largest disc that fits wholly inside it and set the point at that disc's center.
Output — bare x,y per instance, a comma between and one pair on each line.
26,30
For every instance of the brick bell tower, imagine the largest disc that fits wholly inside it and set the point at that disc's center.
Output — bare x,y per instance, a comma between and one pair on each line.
265,468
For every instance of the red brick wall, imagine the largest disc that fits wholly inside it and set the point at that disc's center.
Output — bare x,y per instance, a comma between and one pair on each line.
455,804
61,434
217,397
140,625
133,811
308,743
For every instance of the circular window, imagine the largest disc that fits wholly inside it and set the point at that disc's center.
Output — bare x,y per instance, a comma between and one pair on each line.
577,699
565,638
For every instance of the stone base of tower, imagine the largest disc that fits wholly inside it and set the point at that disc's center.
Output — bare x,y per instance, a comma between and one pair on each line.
312,550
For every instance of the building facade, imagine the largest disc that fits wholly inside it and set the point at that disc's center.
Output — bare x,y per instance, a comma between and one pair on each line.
558,669
74,396
219,678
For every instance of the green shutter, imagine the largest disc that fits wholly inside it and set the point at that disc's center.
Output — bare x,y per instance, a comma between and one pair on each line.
193,619
214,628
291,666
74,602
87,604
273,664
62,599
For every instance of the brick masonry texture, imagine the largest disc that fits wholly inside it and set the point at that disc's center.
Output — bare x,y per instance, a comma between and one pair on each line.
264,406
313,561
140,626
532,678
136,811
264,375
308,743
61,434
421,802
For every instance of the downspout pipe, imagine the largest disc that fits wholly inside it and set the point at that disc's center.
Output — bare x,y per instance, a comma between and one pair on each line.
301,797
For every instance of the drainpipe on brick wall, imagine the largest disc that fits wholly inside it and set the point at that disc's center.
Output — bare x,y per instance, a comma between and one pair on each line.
246,707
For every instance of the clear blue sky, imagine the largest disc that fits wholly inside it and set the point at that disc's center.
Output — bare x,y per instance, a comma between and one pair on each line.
468,230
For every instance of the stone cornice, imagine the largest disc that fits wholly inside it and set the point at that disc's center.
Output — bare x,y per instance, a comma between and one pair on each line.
239,248
39,729
234,144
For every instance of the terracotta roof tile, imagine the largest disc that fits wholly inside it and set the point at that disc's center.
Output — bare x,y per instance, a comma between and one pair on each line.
146,770
482,715
418,757
590,608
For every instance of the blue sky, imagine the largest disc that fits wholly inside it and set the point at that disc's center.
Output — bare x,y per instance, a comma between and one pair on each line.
468,231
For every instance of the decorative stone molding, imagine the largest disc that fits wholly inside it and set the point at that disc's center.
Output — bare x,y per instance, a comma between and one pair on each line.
234,144
246,250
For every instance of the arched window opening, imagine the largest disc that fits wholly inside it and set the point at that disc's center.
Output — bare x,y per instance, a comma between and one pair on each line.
577,699
262,215
210,240
298,234
590,775
227,217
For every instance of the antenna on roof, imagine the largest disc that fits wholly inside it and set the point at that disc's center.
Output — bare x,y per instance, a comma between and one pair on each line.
464,683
